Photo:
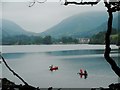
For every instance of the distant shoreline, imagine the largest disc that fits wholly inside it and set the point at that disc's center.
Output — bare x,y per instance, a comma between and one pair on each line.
49,48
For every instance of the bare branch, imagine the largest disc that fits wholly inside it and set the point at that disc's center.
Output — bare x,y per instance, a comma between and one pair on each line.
14,73
32,3
82,3
112,7
114,66
41,1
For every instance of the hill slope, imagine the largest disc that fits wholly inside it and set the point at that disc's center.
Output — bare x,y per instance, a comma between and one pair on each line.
82,25
9,28
77,25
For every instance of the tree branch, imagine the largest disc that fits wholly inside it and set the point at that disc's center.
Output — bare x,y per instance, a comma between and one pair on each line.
14,73
34,1
110,11
82,3
114,66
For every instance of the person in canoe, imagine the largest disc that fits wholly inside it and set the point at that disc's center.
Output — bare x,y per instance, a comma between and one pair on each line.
83,73
51,67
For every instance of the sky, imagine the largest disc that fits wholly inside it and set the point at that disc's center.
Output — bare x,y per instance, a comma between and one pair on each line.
41,17
39,0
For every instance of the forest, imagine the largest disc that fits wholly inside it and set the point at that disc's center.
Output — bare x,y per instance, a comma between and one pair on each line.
99,37
38,40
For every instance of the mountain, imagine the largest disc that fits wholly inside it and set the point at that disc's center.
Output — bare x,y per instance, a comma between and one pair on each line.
81,25
103,26
77,25
10,28
116,23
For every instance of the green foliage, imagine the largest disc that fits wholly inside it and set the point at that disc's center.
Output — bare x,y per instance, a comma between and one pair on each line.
28,40
21,40
68,40
118,39
47,40
100,37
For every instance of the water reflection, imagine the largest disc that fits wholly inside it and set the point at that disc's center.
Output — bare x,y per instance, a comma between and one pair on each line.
34,67
13,55
79,52
59,53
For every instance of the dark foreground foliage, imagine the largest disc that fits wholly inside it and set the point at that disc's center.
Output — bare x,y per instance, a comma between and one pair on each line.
9,85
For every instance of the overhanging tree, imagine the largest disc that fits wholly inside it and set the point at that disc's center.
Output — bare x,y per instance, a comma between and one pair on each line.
112,6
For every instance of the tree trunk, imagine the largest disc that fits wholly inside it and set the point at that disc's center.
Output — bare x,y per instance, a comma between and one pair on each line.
113,64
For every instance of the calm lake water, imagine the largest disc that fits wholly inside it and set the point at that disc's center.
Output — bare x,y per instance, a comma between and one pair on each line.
32,63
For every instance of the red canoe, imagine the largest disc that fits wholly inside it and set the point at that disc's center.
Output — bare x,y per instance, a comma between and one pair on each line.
54,68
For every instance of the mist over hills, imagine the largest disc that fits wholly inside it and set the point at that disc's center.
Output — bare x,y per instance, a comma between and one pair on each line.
82,25
10,28
77,26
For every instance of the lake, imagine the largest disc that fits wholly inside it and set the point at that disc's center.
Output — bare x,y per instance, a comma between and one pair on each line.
32,63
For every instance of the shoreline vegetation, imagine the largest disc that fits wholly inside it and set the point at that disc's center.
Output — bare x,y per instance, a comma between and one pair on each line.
49,40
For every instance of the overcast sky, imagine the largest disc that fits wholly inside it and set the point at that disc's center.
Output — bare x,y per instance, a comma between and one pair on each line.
42,0
41,17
